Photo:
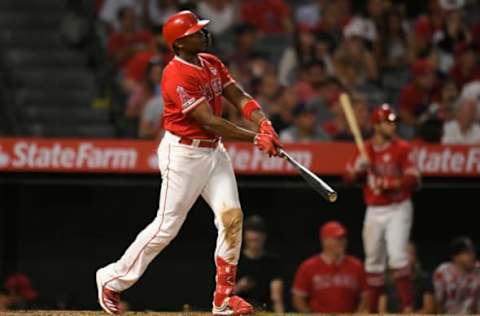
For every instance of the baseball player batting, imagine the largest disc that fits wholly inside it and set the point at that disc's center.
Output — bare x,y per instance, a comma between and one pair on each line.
389,176
194,162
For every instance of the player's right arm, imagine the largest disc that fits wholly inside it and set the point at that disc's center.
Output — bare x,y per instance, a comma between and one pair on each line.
204,115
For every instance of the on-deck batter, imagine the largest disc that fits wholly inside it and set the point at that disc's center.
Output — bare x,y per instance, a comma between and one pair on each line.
193,162
389,176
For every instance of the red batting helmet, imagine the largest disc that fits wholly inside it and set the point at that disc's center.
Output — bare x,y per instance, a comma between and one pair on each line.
383,113
332,229
181,24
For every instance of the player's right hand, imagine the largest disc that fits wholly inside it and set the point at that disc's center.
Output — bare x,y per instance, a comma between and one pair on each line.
361,164
267,143
266,127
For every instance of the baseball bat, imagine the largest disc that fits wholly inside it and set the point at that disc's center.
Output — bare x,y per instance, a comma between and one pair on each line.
315,182
352,123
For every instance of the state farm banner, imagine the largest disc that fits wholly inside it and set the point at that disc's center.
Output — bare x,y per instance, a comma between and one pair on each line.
135,156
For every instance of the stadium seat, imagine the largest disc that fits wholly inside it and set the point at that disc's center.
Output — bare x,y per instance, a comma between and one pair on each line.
55,58
51,114
31,39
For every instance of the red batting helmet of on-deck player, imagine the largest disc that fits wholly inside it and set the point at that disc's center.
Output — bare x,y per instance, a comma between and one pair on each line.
332,229
181,24
383,113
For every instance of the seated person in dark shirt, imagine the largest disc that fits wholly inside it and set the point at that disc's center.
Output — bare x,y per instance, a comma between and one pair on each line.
259,273
423,300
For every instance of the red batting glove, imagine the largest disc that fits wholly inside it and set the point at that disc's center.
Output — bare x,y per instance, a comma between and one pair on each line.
266,127
266,143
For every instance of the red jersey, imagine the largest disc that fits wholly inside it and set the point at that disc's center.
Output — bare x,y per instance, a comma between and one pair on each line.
266,15
119,41
331,287
185,86
415,100
393,160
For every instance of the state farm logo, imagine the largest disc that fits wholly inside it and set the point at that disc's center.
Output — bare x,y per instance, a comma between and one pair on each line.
447,160
81,155
254,160
4,158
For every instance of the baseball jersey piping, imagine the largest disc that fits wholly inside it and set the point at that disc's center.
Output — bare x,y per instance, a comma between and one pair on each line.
183,61
159,226
194,105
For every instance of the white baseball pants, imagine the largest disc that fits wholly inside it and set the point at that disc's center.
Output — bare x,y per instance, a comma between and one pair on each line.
187,173
386,232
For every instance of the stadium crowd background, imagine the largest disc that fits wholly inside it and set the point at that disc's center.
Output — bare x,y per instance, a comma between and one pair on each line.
295,57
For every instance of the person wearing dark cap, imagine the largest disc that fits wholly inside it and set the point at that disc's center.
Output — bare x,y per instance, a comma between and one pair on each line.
305,128
332,281
259,271
457,282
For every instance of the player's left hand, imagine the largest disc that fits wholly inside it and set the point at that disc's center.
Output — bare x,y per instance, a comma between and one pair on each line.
266,127
267,143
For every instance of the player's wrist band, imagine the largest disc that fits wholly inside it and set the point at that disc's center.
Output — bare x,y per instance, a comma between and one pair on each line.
249,108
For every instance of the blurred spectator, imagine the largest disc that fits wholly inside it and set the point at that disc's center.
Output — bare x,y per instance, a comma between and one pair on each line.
472,91
466,68
111,9
157,11
19,293
221,13
448,97
268,91
295,56
145,91
417,95
423,293
332,281
324,47
260,278
245,37
309,14
310,80
457,282
151,119
259,65
393,48
305,128
335,16
125,43
269,16
353,52
464,129
281,114
420,40
454,30
134,71
362,115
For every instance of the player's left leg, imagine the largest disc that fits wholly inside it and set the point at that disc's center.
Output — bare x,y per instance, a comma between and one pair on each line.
221,194
397,238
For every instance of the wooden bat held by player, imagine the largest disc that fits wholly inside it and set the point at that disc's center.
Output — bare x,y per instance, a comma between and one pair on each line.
315,182
352,123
